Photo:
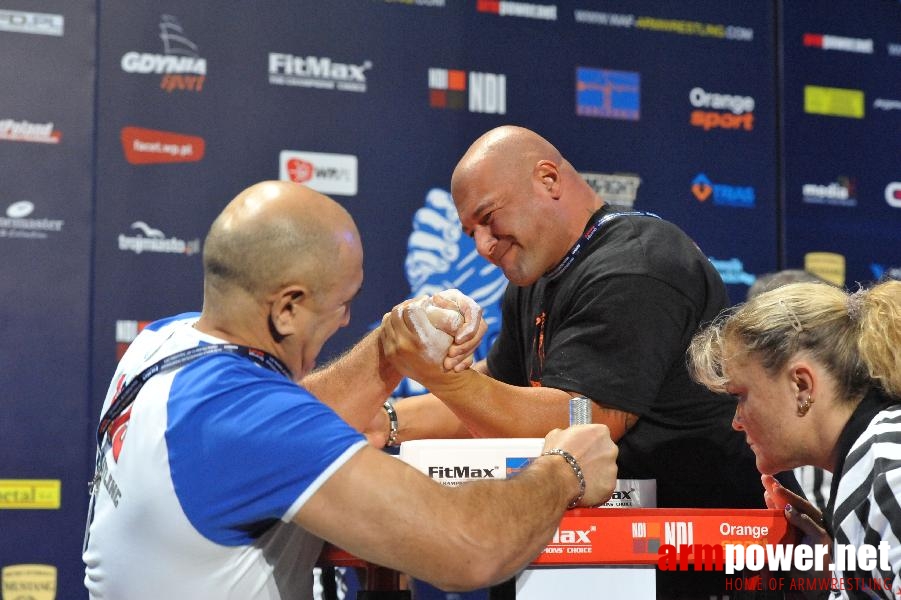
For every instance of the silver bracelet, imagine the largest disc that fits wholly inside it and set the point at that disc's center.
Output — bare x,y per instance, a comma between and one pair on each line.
574,464
392,424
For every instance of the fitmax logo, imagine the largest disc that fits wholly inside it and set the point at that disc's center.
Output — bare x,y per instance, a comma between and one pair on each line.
319,72
622,495
573,536
464,472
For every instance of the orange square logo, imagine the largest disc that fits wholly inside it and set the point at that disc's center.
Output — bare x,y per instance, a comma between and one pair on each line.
456,80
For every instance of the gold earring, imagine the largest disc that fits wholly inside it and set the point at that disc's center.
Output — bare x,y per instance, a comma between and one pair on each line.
804,406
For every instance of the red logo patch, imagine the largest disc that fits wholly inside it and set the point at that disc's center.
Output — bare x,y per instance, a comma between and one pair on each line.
300,170
117,432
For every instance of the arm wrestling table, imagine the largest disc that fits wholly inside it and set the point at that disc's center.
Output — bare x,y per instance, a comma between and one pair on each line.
615,547
618,548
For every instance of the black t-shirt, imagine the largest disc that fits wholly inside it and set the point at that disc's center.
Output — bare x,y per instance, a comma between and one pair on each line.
616,325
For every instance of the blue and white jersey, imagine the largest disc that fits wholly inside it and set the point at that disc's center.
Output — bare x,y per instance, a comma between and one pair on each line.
203,475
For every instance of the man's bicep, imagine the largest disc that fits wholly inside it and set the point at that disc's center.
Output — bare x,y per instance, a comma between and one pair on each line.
617,421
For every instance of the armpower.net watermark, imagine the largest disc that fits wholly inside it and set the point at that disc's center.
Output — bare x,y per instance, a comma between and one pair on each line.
784,558
753,549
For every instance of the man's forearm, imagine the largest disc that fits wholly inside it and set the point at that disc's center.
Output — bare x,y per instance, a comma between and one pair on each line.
426,417
491,408
457,538
355,384
548,485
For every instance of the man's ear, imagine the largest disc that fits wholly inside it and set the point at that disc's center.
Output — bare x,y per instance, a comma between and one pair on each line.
284,310
549,176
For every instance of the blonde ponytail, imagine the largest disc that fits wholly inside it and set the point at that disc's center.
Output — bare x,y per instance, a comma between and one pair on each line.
879,319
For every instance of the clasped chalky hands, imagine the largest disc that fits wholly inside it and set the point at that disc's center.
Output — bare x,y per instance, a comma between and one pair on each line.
431,335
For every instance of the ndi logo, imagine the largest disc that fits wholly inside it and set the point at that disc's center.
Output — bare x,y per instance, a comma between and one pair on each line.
677,533
126,331
645,537
477,92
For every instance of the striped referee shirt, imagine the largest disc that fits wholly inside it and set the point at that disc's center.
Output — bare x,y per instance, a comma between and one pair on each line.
864,501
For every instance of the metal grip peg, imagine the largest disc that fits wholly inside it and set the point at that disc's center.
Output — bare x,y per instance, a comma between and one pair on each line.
579,411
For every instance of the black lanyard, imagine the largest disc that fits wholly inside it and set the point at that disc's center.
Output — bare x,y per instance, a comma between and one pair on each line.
127,395
590,230
123,399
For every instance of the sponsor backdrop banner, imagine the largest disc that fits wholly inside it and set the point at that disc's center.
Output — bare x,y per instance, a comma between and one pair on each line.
842,115
115,164
47,64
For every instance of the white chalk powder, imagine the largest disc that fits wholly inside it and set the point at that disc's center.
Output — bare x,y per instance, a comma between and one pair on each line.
467,307
445,319
436,342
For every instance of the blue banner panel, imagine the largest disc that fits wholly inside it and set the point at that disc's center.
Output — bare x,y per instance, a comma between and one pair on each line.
679,98
46,166
162,175
842,116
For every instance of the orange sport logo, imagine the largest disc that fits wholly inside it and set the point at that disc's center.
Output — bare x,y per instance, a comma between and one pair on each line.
721,111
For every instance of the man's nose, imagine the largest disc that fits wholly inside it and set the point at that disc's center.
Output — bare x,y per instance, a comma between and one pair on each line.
485,241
